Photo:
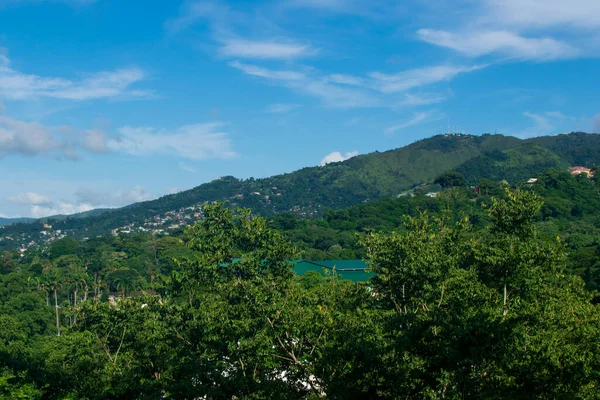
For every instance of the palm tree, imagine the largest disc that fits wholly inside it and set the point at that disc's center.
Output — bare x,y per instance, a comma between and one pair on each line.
41,286
125,280
55,281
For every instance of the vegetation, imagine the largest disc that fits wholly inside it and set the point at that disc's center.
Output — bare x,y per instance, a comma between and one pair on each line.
457,309
310,191
487,290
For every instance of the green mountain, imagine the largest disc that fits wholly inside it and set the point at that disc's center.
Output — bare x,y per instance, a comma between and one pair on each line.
310,191
513,164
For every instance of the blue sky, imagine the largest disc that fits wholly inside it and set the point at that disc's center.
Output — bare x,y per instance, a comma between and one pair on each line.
108,102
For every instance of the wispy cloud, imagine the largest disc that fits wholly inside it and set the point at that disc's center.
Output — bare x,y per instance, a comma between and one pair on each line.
280,75
193,11
109,199
336,156
418,117
546,123
281,108
15,85
346,91
532,30
475,44
346,79
414,78
186,167
264,49
578,14
194,142
420,99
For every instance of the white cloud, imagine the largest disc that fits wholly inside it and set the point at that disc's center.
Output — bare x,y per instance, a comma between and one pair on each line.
422,99
172,190
538,30
281,108
579,14
264,49
417,118
346,79
336,156
475,44
85,199
34,139
339,96
95,141
330,94
192,12
111,199
346,91
187,167
195,142
414,78
15,85
59,208
547,123
30,198
25,138
280,75
42,206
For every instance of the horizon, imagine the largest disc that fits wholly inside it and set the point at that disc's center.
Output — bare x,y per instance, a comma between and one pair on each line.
103,105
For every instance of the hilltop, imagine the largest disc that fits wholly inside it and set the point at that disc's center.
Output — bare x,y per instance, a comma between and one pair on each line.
310,191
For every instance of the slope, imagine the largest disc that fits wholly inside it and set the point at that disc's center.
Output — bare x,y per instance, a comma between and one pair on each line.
309,191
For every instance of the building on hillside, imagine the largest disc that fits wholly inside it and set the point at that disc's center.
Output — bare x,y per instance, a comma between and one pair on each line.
531,181
577,170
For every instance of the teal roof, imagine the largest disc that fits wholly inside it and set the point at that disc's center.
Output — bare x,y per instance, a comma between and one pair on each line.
353,270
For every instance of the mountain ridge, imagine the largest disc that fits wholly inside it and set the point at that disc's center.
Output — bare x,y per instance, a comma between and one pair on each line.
310,190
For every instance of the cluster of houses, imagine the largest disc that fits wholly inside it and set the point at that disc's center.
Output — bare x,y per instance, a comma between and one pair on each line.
29,241
164,223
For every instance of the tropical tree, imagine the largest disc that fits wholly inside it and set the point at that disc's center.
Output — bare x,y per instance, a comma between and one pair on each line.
55,281
124,280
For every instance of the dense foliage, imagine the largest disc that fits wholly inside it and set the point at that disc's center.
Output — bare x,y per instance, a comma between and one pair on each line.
474,297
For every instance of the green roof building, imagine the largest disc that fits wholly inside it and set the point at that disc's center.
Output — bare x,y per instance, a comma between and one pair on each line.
353,270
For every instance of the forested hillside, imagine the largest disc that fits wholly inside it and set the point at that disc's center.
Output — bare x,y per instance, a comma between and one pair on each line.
310,191
476,294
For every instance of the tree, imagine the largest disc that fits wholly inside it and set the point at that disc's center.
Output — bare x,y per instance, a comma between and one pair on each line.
450,179
489,316
124,280
55,281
